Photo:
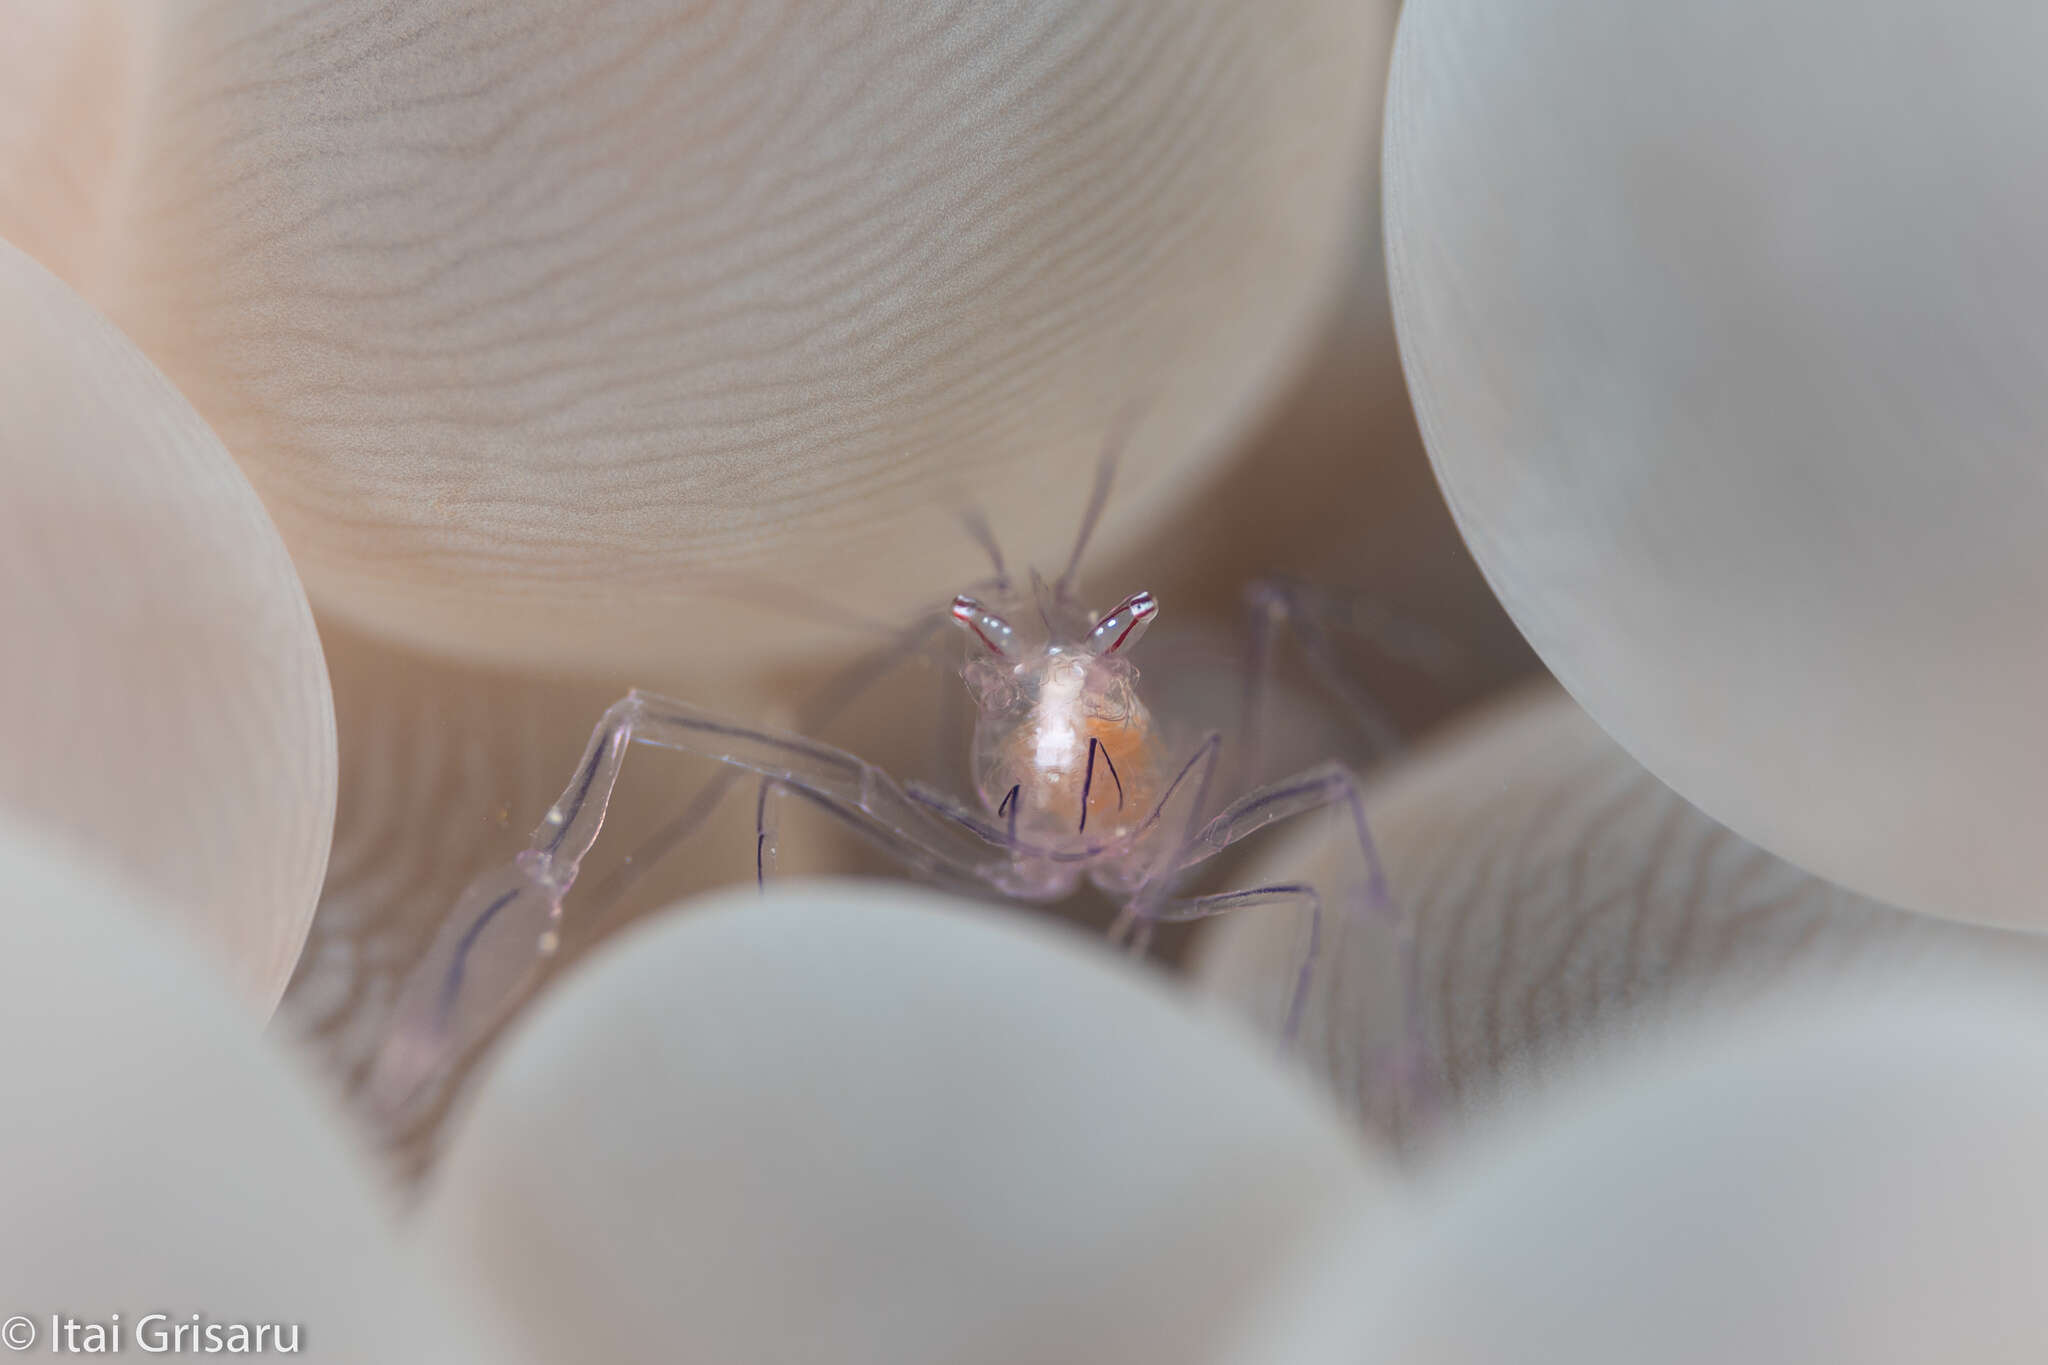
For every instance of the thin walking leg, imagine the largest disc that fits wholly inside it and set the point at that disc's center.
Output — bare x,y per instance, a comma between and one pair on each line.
820,710
504,927
1145,887
1274,607
1292,893
764,831
1316,789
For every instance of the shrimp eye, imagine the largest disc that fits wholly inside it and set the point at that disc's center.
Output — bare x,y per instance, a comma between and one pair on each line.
984,625
1122,627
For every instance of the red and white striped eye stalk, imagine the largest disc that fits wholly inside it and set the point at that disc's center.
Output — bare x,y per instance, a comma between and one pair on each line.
1121,628
984,625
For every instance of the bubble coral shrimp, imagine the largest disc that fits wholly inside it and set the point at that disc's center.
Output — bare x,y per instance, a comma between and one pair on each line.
1073,781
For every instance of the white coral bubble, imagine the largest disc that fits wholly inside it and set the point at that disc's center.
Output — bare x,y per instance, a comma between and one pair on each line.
163,702
1725,325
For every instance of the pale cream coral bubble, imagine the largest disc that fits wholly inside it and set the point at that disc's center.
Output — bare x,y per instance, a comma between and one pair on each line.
1726,325
1562,892
67,85
1849,1174
539,330
162,697
855,1122
158,1155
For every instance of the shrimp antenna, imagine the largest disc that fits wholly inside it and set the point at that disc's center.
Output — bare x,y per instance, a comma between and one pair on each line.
1105,474
976,522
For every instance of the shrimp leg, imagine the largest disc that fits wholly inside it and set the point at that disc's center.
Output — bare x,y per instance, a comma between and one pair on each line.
1297,893
485,959
765,831
490,951
1317,788
818,711
1309,615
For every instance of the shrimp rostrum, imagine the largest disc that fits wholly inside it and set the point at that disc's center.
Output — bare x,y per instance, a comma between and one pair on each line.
1072,778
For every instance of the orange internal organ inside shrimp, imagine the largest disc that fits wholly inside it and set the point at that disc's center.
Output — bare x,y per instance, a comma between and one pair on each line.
1084,764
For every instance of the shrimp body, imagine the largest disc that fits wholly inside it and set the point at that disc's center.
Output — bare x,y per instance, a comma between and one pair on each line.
1066,757
1068,767
1075,753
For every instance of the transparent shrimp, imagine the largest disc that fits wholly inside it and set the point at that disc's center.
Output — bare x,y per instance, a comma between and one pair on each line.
1072,780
